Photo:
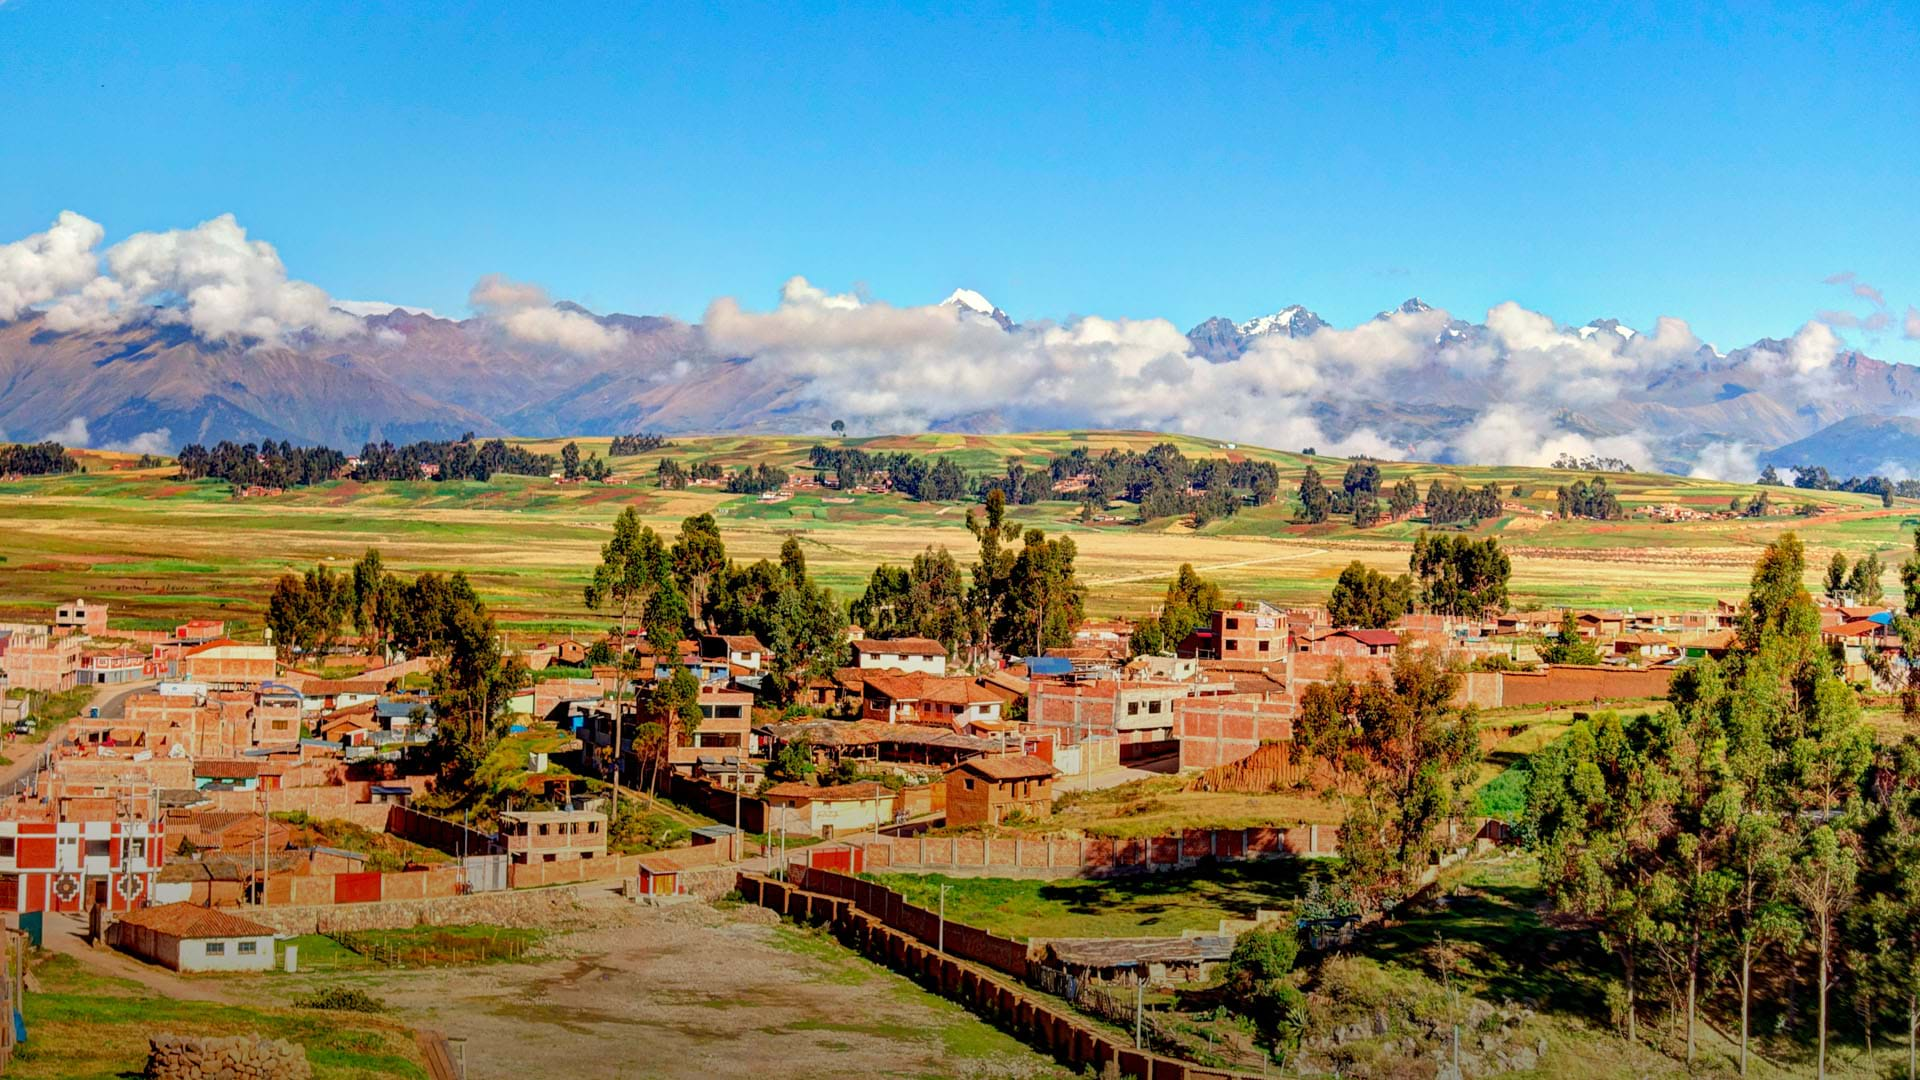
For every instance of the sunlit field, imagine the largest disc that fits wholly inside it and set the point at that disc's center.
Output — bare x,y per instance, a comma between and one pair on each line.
160,549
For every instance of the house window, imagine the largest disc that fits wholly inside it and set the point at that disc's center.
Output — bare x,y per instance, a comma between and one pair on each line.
248,948
137,847
6,847
1153,706
99,849
549,857
1133,708
216,948
969,783
1263,646
1233,624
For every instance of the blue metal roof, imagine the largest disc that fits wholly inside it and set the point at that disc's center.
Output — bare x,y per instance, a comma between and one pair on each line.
1049,665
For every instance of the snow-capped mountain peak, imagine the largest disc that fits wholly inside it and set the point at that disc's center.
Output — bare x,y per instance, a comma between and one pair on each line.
1601,326
967,300
970,300
1292,320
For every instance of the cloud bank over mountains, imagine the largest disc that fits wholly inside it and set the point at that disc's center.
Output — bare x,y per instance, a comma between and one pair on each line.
1413,382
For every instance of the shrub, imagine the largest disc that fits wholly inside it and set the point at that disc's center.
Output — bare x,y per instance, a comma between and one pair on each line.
341,999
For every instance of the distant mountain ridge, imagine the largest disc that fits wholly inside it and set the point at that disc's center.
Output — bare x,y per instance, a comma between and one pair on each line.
415,375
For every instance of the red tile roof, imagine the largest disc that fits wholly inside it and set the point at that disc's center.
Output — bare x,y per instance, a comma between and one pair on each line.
188,920
906,646
1003,767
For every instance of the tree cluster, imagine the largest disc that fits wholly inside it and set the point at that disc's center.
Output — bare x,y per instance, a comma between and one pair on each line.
36,459
1568,647
271,464
1459,575
757,479
926,598
457,459
673,476
628,445
1859,583
1591,463
1747,830
1588,499
1461,505
1368,599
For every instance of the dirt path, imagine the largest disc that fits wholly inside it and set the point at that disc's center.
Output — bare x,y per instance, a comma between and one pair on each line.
66,936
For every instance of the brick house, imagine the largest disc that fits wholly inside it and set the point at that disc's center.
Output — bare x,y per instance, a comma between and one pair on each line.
1256,631
984,790
535,836
948,701
726,728
1359,643
227,664
1222,730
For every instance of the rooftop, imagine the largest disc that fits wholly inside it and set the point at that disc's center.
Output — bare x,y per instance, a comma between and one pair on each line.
186,920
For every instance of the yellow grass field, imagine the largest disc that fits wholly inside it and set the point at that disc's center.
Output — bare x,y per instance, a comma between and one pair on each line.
159,549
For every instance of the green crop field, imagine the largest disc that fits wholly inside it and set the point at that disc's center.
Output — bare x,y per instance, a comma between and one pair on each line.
158,548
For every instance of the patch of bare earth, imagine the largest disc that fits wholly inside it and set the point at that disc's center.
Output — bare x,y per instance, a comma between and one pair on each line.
693,991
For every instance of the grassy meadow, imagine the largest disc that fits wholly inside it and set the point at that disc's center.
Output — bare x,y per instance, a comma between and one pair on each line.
160,549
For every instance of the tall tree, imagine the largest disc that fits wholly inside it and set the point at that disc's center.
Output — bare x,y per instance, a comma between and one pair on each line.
1315,501
1568,646
1823,879
625,580
1863,584
1189,602
1837,575
1366,598
699,558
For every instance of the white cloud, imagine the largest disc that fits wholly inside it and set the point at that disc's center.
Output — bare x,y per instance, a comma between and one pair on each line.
525,312
364,308
157,441
48,264
1517,434
211,277
1734,461
73,433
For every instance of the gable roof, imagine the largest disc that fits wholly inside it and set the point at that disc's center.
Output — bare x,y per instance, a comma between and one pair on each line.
855,792
189,920
1374,638
1005,767
906,646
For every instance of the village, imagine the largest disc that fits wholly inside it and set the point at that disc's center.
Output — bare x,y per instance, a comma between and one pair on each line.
206,800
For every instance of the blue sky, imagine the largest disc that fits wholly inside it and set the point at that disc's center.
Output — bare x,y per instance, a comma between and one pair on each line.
1584,160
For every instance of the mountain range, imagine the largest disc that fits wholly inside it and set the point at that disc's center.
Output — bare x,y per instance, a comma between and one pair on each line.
153,384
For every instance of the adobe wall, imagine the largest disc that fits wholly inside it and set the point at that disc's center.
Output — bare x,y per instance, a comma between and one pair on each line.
1565,684
1049,858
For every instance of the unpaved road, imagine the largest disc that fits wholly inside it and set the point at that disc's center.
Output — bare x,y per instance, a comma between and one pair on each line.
691,991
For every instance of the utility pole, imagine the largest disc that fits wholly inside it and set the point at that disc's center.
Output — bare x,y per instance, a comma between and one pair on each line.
266,847
1139,1002
739,772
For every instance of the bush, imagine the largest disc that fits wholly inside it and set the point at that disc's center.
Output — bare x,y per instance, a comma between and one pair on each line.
341,999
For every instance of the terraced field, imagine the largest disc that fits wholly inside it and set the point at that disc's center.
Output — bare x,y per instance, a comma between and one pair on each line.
160,549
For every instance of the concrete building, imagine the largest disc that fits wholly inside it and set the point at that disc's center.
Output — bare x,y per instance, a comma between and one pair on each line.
535,836
985,790
81,616
726,728
188,937
43,662
923,655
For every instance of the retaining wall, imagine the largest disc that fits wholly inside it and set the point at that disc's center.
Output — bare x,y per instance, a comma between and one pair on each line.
1066,1035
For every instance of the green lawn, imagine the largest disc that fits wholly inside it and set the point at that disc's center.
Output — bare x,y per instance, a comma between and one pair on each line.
1145,905
83,1025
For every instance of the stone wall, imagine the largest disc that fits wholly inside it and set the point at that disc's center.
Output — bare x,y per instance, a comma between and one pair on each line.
238,1057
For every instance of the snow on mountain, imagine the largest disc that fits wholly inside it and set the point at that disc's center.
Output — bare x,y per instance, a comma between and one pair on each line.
968,300
1292,321
1601,326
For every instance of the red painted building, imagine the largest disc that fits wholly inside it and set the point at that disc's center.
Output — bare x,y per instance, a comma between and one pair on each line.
78,846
